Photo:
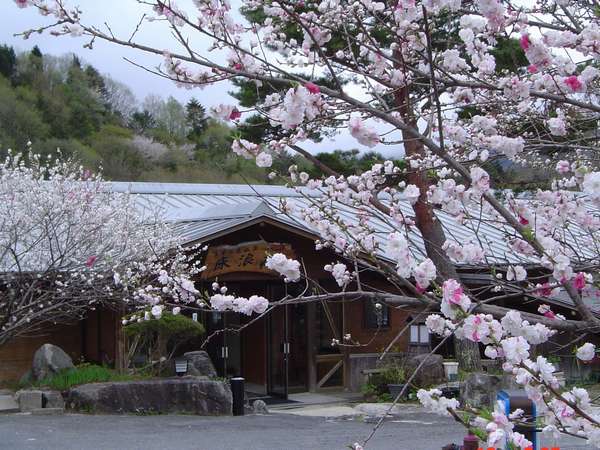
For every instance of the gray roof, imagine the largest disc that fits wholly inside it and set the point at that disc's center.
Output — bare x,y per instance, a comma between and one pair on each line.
201,212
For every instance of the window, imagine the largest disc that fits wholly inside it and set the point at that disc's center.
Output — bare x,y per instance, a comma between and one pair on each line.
376,317
419,334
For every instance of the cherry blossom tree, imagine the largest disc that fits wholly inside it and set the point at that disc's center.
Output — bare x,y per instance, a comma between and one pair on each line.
68,244
425,79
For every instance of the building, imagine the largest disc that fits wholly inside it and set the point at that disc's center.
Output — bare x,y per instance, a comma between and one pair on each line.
290,349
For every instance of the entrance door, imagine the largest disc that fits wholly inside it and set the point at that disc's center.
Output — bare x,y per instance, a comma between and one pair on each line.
224,348
286,346
278,353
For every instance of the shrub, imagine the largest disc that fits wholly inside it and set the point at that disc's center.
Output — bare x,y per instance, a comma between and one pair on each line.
159,338
82,374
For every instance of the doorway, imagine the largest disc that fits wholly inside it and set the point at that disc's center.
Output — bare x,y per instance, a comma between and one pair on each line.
287,365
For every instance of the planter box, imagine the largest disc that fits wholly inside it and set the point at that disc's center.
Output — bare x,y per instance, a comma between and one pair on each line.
395,389
451,370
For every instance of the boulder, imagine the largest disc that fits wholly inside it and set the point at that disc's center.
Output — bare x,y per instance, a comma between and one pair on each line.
480,389
52,399
259,407
200,364
431,373
49,360
192,395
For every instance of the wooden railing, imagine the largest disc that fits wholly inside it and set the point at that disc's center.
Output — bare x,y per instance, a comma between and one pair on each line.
338,361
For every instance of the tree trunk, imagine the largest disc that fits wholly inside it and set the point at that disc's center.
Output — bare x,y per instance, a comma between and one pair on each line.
467,352
467,355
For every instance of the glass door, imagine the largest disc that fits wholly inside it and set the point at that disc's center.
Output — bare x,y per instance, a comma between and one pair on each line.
278,353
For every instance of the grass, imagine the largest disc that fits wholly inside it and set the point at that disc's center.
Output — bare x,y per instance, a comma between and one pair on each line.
82,374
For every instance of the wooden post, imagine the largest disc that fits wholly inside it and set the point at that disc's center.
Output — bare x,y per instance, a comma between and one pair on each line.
120,347
311,345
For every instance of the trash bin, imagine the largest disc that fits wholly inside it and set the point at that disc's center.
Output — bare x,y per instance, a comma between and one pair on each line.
517,399
237,394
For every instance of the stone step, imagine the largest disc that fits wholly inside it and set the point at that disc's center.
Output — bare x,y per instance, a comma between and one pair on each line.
8,404
48,411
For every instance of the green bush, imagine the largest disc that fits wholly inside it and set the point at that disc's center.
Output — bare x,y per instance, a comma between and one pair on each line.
82,374
158,339
169,325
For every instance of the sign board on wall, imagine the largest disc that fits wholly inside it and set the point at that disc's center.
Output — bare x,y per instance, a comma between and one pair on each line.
246,257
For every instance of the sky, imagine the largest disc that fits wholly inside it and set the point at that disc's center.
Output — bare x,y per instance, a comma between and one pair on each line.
123,16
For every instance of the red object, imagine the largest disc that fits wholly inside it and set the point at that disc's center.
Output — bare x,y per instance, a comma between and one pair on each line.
471,442
312,88
235,114
91,260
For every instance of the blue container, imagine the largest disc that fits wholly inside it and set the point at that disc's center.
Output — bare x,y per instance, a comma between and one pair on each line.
515,399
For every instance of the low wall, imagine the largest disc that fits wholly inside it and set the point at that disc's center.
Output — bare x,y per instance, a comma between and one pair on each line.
361,361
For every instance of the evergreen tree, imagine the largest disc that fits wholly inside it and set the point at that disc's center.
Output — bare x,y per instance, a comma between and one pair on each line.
8,61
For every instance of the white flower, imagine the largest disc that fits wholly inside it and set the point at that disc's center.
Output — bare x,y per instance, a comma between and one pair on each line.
411,193
563,167
516,349
424,273
288,268
517,273
365,136
586,352
591,184
258,304
339,273
176,310
157,311
436,324
557,126
480,180
264,159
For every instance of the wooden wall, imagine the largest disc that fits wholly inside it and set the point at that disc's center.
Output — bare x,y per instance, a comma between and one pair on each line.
16,356
90,340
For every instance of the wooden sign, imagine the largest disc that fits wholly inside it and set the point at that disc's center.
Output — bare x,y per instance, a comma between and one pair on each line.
247,257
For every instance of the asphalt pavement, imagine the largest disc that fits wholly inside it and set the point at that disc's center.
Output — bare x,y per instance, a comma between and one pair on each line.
416,430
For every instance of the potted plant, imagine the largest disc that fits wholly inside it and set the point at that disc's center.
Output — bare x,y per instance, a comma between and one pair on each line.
395,377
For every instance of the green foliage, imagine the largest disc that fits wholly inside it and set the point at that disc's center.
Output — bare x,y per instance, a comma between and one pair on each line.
82,374
62,102
8,61
509,55
156,340
169,325
196,118
393,374
20,121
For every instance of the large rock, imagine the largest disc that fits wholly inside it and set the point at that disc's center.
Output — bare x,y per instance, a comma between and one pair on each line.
431,373
188,394
480,389
49,360
199,364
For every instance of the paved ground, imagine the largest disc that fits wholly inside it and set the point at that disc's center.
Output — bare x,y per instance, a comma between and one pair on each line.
416,430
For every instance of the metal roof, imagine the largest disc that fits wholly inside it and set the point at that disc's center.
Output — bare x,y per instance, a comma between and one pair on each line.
203,210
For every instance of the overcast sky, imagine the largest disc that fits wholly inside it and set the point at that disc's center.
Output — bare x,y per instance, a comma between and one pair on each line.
122,16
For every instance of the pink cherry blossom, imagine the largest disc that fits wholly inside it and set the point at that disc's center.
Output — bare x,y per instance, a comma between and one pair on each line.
312,88
574,83
524,42
91,260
